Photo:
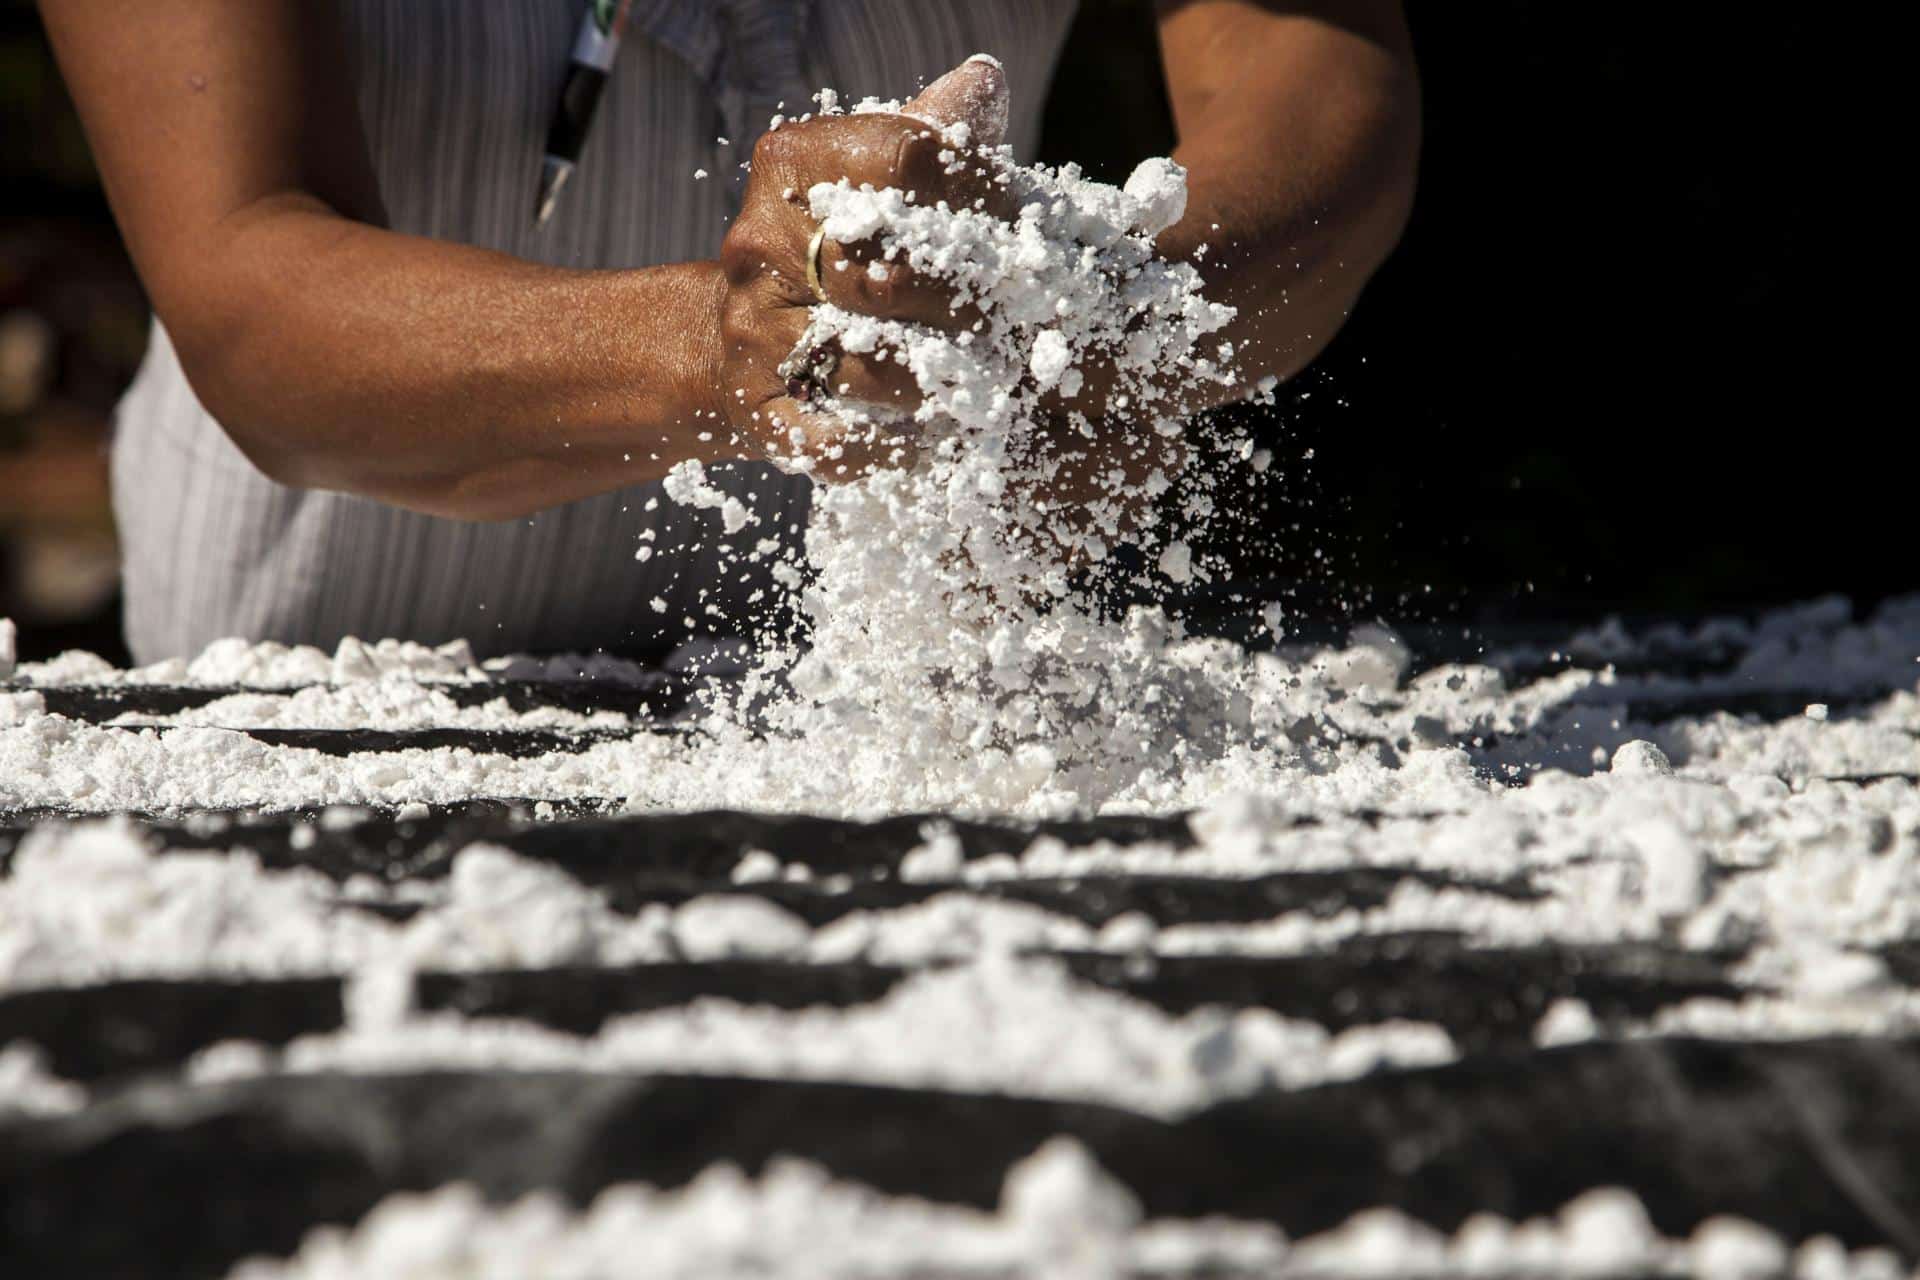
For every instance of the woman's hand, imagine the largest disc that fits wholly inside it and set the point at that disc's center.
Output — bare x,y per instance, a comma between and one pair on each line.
764,297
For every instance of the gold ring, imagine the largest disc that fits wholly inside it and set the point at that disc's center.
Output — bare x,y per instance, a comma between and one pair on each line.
814,246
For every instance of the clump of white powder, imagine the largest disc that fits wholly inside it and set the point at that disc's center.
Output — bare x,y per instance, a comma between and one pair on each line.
687,483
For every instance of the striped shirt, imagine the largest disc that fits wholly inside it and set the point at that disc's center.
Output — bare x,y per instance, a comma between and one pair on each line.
454,97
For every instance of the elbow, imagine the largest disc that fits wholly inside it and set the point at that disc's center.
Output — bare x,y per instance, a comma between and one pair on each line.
1372,213
1372,217
214,355
266,424
1391,207
1318,279
1392,170
1371,203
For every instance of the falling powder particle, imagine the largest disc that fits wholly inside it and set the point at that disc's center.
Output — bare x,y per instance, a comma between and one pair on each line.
1176,561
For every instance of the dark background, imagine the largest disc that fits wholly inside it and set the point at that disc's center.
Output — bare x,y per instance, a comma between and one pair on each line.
1594,378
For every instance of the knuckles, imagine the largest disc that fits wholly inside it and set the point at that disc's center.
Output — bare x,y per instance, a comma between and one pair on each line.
757,329
740,258
748,249
736,325
884,150
917,166
773,154
764,309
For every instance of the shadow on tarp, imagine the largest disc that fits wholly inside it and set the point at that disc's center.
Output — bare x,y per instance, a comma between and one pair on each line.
1487,999
1807,1138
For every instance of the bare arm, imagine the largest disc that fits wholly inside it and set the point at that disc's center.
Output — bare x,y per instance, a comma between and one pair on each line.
336,353
1299,126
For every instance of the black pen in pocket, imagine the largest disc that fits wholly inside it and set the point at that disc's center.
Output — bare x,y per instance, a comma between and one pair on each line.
594,50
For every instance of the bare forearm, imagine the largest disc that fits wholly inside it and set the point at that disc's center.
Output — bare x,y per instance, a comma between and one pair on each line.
1300,141
342,355
439,376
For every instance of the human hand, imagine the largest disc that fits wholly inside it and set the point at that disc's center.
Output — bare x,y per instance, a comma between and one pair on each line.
764,293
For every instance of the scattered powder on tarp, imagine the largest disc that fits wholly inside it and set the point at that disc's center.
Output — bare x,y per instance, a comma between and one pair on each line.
953,668
999,1025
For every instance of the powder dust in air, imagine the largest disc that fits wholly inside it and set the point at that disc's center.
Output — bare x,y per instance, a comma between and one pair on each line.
949,663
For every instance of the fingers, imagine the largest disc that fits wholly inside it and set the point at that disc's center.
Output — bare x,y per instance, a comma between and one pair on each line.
934,173
769,338
902,152
832,448
858,277
764,256
871,423
881,151
877,380
974,94
1144,398
768,241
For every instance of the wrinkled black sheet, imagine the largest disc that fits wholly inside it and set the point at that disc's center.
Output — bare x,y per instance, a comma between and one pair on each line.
163,1179
175,1181
1486,999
